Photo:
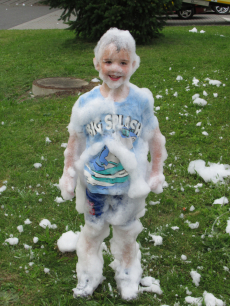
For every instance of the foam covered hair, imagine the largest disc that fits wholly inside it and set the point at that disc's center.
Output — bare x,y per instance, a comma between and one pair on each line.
123,40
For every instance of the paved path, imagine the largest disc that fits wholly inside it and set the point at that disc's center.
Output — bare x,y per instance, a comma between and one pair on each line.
29,14
17,12
48,21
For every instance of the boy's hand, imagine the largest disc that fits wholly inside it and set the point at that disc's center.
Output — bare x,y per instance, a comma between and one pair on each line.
67,185
156,182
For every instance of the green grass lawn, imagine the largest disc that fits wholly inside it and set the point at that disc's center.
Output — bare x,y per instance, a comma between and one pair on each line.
25,122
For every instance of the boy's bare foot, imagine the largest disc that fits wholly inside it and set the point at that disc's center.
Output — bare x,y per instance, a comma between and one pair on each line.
83,289
86,287
129,290
128,286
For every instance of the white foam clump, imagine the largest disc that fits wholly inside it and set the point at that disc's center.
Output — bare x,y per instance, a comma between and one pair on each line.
194,30
192,208
184,257
194,225
205,133
213,82
110,289
158,240
68,241
179,78
175,228
215,95
187,291
158,96
27,221
195,277
27,247
3,188
95,80
198,123
213,172
45,222
200,102
228,227
221,201
195,81
208,298
172,133
195,96
165,185
154,203
202,31
198,185
150,285
59,200
64,145
46,270
194,301
35,239
20,228
157,108
211,300
37,165
175,94
12,241
205,93
48,140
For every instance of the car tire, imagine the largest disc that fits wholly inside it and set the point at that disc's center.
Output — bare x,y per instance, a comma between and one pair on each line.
186,14
220,9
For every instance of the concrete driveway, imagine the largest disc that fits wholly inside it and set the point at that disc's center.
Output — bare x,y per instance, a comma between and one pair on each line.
16,12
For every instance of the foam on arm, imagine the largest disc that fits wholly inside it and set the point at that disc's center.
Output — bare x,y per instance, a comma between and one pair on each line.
158,156
68,181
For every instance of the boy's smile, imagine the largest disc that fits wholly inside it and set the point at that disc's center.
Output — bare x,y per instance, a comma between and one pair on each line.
115,67
114,78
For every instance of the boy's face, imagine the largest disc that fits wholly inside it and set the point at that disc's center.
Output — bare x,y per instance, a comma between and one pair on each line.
115,68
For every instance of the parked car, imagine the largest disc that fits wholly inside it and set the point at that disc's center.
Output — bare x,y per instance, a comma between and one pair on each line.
191,7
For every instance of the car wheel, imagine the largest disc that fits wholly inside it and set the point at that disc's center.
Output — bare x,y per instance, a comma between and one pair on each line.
221,9
185,14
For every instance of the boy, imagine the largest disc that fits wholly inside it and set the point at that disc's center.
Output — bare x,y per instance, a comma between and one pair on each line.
112,127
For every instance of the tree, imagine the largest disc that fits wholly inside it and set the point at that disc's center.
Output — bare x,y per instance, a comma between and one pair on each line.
143,18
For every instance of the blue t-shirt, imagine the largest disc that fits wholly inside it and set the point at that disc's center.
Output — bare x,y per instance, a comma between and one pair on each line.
115,134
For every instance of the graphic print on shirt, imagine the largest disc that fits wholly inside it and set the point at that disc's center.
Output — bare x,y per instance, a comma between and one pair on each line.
105,169
113,122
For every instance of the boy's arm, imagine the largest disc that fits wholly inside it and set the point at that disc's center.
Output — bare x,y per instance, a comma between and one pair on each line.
68,181
158,156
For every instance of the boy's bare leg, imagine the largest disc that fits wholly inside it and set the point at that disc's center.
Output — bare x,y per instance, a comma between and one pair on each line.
90,259
127,255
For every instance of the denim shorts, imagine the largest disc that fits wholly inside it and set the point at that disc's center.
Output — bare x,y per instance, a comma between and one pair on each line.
97,202
113,209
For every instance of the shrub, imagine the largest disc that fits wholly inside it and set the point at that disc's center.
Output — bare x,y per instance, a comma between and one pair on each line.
143,18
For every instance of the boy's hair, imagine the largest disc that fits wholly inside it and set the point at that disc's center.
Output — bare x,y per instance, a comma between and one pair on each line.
123,40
